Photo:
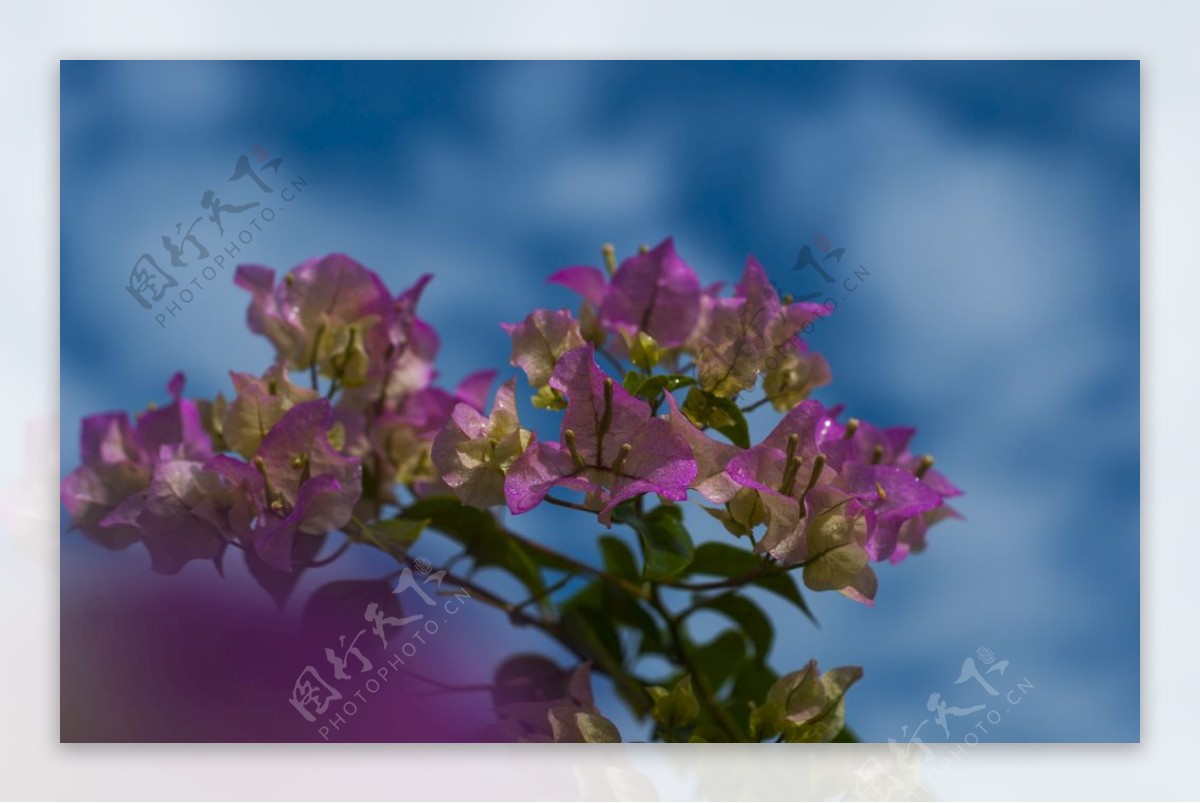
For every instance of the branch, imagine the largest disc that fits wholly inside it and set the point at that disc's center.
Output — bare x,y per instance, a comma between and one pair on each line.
699,681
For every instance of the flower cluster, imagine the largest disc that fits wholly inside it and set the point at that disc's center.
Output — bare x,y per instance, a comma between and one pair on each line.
278,462
647,377
832,497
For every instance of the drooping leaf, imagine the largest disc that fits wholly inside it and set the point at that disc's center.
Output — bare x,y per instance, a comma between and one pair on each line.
751,684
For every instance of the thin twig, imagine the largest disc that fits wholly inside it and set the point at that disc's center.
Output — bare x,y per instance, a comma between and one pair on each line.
337,553
749,408
566,504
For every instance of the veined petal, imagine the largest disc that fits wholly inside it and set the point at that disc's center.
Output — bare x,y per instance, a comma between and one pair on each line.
588,282
600,413
472,453
655,292
541,340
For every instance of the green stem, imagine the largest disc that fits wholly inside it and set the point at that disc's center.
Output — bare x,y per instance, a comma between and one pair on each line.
700,682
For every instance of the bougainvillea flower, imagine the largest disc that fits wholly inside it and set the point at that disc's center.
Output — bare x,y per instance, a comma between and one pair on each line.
590,283
792,376
298,448
836,533
781,479
325,311
892,496
862,442
833,523
413,346
473,452
429,409
741,334
912,533
540,341
174,516
296,483
805,706
113,468
259,404
178,425
611,446
118,462
655,292
712,457
865,443
399,442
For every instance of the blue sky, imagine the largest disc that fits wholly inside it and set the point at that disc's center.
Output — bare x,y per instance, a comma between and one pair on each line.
994,205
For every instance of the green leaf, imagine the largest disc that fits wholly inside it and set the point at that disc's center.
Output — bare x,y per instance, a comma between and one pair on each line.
618,558
589,622
666,545
613,601
752,683
593,634
677,708
706,410
632,381
753,621
484,540
721,658
652,386
707,732
399,533
724,560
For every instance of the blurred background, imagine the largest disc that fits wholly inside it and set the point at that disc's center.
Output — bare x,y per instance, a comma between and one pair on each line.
993,207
